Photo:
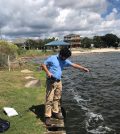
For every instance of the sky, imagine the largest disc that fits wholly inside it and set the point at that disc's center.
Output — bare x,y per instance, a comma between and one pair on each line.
57,18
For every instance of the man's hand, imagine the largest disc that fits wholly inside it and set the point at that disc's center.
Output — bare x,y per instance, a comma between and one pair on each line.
46,70
86,70
49,74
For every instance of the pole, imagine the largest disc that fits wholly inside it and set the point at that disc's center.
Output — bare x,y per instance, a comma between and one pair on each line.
9,62
0,33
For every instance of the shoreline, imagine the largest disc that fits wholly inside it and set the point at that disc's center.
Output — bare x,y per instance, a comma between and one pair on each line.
97,50
78,52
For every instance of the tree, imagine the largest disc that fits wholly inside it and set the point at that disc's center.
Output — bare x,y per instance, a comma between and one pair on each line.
111,40
37,44
98,42
30,44
86,42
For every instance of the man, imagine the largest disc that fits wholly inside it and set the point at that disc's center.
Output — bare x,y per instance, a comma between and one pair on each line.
53,67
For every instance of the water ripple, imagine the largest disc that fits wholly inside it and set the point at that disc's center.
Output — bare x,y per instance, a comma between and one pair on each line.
92,100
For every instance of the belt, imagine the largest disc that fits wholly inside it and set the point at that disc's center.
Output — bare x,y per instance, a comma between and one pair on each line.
54,79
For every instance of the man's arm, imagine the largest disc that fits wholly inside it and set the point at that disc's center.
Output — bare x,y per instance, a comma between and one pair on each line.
44,67
78,66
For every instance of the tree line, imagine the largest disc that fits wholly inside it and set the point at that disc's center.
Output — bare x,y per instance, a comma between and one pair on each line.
108,40
11,49
36,44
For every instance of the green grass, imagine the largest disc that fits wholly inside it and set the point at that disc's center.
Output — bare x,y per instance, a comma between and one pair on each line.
14,94
36,53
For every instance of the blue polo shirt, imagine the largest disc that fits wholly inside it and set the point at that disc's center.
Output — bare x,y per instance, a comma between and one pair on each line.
55,65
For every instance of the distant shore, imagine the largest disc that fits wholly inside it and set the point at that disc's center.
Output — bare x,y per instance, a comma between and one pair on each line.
96,50
76,52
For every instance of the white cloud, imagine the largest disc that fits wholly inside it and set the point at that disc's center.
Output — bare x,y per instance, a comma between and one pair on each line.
26,18
62,16
112,15
106,24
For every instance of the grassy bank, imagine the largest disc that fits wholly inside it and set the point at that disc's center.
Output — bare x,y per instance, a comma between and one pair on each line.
14,94
35,53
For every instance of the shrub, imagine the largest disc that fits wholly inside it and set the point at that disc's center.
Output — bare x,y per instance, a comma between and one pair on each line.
8,48
5,50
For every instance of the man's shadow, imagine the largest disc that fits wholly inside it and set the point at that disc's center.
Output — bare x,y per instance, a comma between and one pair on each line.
39,111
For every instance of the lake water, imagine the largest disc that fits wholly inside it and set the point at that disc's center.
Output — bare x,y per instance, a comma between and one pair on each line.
92,100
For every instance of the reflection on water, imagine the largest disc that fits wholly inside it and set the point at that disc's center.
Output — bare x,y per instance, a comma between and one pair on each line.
92,100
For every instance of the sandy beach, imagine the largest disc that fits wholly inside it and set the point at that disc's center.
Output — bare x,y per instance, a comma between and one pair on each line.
97,50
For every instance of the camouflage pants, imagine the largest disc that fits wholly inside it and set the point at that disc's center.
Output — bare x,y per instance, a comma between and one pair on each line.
53,97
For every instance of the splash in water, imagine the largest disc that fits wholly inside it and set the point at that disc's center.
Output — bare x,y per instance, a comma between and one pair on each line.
94,123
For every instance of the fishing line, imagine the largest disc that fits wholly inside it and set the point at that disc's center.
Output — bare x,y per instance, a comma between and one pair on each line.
94,123
91,122
97,93
96,120
77,97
